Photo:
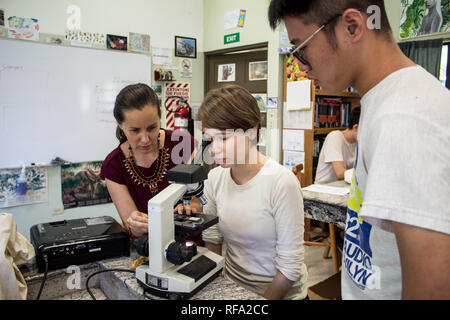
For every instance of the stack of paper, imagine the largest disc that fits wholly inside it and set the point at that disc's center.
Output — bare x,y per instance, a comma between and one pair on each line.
341,191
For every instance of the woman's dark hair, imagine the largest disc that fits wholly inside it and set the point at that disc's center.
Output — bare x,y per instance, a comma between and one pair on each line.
354,117
133,97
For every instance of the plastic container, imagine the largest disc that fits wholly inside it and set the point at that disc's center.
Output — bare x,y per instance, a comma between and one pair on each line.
21,188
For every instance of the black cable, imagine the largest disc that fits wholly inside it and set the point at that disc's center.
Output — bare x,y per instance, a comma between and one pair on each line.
101,271
45,277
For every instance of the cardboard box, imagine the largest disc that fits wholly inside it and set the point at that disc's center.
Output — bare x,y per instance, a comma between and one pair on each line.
328,289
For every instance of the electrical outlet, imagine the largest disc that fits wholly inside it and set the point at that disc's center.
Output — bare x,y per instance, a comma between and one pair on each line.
58,211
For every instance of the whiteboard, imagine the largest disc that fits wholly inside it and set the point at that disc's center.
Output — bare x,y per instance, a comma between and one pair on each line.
57,101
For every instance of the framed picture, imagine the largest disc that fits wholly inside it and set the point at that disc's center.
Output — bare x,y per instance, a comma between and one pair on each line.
116,42
185,47
257,70
420,18
226,73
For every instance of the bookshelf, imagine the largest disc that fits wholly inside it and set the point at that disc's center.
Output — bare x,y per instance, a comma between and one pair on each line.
314,133
352,99
320,131
341,95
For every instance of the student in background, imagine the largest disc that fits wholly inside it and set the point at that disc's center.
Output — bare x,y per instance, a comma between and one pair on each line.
397,237
258,201
338,151
136,170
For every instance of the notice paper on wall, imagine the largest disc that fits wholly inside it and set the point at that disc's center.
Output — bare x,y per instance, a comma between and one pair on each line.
294,140
293,158
299,119
231,19
162,56
298,95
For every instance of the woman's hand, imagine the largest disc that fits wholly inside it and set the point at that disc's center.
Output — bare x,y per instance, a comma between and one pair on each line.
192,209
137,223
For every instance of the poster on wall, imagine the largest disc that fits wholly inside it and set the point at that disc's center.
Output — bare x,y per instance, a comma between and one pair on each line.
23,28
257,70
226,73
162,56
293,158
241,21
36,190
172,92
272,102
85,39
424,17
231,19
261,99
139,42
186,68
82,185
293,72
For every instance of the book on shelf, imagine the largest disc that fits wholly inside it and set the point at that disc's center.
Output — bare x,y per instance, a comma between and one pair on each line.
331,112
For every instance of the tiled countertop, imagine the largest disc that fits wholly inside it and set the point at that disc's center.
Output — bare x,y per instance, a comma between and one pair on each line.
326,207
118,285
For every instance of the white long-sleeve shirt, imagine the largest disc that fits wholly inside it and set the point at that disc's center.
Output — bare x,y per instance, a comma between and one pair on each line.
262,223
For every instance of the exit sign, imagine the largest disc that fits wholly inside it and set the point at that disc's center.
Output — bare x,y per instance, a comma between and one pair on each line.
230,38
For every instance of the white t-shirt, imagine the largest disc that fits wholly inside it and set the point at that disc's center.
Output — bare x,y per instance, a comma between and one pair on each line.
402,174
262,223
335,148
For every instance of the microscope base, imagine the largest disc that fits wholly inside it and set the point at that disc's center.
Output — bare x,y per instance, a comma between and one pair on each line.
177,295
183,281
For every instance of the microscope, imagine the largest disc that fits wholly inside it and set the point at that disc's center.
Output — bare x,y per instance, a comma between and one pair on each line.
177,268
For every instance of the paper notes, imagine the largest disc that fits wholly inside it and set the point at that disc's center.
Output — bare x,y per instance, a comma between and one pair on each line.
298,95
340,191
294,140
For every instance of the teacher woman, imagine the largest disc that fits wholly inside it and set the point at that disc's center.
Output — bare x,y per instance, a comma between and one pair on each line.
136,170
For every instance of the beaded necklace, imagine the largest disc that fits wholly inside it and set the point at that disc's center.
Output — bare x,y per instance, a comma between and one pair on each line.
152,181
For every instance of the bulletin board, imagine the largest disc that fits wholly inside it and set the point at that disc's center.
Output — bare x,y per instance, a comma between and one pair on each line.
298,131
57,101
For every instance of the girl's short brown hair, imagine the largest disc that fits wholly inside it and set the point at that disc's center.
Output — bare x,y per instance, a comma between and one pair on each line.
230,107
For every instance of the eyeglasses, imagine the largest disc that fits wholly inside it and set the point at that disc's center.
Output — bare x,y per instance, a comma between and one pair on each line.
295,50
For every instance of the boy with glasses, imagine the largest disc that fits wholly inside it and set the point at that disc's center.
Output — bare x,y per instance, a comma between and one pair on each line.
397,239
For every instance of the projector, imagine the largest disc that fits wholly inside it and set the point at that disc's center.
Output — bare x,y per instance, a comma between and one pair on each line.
78,241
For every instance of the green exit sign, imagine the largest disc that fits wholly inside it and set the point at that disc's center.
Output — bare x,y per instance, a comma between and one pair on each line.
230,38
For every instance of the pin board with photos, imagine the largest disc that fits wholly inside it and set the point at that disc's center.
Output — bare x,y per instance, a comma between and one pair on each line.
297,120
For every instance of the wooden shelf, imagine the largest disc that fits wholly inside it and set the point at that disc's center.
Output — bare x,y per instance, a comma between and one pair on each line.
326,130
341,95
